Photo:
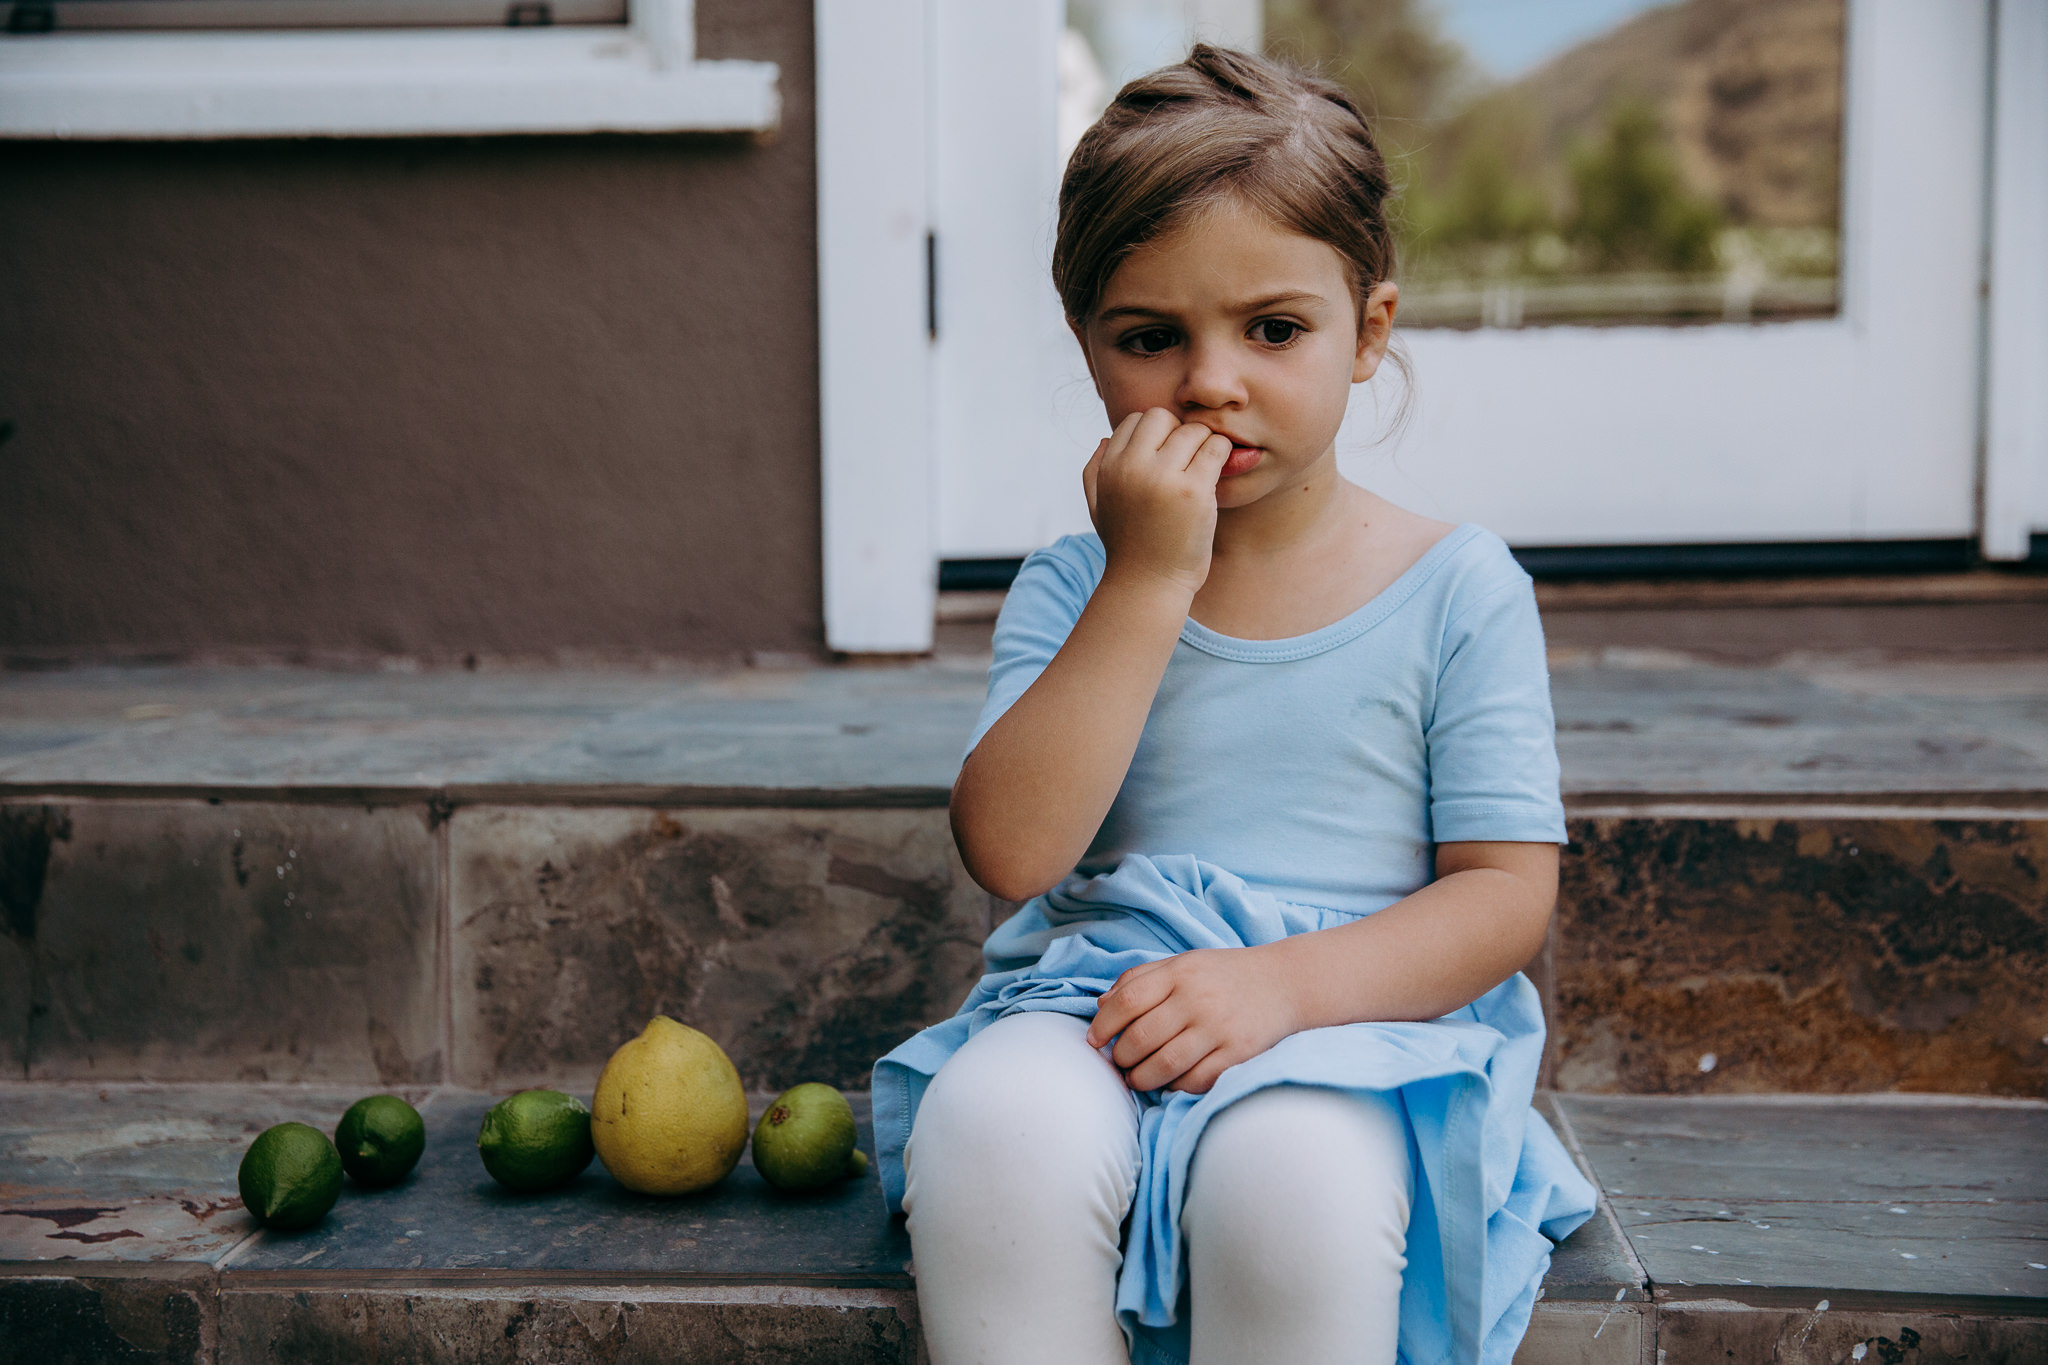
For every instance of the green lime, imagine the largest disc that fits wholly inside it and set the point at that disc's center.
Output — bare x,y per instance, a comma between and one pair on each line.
535,1140
290,1176
379,1139
807,1139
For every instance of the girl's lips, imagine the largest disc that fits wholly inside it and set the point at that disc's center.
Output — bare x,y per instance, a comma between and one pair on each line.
1243,459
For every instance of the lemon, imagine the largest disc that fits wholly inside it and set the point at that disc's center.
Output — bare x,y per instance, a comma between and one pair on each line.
290,1176
380,1138
535,1140
670,1115
807,1139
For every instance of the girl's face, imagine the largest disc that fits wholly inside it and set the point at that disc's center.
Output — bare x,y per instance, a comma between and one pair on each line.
1246,328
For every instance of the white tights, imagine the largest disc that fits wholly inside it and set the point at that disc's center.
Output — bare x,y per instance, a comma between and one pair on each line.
1021,1167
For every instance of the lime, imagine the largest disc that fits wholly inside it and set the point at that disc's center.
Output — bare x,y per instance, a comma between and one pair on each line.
535,1140
807,1139
290,1176
379,1139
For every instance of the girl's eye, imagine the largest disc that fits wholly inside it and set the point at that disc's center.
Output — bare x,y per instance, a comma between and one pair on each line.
1151,341
1276,331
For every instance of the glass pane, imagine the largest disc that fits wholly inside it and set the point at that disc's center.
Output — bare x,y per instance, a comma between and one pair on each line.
1588,161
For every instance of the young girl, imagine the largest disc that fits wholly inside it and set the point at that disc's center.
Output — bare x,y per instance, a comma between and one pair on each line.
1272,762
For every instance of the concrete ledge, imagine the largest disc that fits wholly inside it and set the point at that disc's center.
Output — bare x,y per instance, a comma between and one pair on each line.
447,1267
1634,727
494,946
1696,950
1824,880
627,1325
1781,950
1715,1333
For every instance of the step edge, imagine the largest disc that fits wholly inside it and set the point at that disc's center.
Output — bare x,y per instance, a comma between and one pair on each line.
1896,1098
1950,803
1592,803
203,1273
1603,1201
450,797
1781,1297
490,1277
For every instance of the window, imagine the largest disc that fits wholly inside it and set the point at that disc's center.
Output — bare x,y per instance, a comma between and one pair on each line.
1600,161
635,76
67,16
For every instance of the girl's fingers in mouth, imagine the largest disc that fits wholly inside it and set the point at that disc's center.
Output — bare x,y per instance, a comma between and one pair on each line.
1184,445
1120,439
1153,429
1214,450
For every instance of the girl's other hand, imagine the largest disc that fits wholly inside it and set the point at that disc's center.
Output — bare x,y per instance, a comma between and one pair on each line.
1185,1019
1151,489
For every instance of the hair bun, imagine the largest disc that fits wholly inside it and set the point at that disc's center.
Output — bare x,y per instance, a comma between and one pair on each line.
1232,71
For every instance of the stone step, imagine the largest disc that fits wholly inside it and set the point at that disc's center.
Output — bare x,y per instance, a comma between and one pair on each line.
1735,619
1694,952
1824,878
1747,1229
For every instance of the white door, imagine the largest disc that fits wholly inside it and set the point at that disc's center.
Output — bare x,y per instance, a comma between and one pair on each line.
940,340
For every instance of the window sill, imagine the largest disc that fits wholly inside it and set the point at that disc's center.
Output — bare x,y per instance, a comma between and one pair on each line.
641,78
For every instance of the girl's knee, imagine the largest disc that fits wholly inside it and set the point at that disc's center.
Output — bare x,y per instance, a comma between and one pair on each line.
1296,1219
1295,1176
1021,1165
1024,1106
1021,1076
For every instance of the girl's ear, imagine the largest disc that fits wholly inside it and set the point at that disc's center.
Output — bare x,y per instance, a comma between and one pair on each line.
1375,329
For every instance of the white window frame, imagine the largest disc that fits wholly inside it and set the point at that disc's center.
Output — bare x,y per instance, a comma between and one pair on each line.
2015,480
215,16
643,77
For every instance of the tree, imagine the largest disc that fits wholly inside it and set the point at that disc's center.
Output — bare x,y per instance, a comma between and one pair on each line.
1387,53
1633,210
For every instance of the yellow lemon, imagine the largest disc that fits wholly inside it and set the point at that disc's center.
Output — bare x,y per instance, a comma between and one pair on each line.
670,1115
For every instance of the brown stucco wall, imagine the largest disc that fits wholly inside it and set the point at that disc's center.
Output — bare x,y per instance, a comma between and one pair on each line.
526,397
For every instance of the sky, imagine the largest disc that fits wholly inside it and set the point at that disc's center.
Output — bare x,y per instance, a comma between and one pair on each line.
1509,37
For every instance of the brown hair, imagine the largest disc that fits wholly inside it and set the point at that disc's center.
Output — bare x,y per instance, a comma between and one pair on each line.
1222,125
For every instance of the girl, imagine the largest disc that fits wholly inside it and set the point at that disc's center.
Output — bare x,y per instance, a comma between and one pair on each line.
1272,762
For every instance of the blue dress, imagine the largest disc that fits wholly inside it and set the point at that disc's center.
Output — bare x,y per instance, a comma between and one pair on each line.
1284,786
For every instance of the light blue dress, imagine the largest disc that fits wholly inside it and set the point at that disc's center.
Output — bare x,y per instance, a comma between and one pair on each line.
1283,786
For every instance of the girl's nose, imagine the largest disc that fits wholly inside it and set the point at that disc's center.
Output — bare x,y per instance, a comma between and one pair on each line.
1211,381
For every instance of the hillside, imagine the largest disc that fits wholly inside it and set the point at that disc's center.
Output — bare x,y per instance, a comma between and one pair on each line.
1750,90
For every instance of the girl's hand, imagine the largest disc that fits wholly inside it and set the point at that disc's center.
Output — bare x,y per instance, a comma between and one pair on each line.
1185,1019
1152,495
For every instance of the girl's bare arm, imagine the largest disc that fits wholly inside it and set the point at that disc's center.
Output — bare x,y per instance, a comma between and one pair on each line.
1184,1019
1035,789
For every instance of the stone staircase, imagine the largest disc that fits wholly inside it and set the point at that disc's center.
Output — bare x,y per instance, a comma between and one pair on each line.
1800,1036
